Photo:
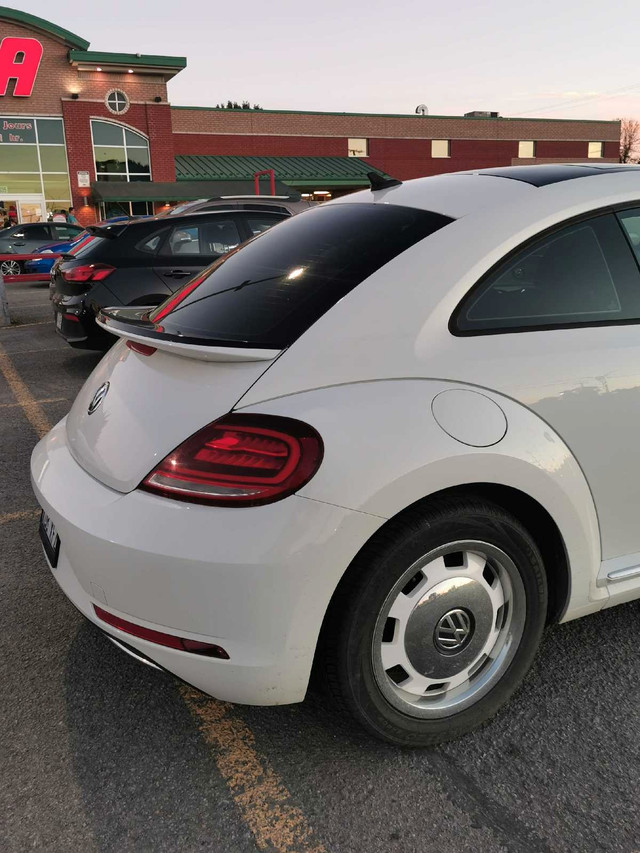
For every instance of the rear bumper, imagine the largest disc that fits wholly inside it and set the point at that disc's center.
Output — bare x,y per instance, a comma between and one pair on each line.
256,581
76,323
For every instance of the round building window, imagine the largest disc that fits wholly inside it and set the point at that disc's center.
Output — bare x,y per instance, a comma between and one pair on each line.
117,102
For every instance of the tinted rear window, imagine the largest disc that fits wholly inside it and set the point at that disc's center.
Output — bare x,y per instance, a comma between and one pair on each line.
275,287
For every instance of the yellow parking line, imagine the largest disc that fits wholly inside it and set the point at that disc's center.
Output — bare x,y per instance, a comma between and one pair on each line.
33,411
47,400
18,516
263,800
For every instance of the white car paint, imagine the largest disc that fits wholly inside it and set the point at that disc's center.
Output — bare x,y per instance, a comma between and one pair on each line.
381,378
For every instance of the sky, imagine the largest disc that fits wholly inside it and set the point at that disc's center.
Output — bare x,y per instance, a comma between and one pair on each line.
563,59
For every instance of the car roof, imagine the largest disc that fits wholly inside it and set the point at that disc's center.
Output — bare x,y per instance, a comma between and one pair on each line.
172,221
458,194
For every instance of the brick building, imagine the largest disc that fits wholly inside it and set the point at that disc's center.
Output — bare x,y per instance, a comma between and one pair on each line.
96,130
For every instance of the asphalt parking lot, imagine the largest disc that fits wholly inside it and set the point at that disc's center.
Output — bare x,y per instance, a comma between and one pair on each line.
100,753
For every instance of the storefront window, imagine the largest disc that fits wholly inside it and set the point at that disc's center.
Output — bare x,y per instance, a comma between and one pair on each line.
14,183
33,160
119,153
50,131
107,209
56,187
53,158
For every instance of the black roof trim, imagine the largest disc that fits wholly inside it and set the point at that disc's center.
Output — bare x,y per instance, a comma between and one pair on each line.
540,176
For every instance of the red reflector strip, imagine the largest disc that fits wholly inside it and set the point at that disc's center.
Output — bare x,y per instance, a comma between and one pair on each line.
177,299
170,640
143,349
71,317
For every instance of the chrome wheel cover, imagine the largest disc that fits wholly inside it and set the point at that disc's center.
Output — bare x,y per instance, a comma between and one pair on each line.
449,628
10,268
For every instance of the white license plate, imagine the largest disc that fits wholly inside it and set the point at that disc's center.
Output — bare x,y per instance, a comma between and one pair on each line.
58,321
50,538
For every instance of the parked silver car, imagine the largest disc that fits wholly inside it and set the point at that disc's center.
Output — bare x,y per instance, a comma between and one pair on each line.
275,203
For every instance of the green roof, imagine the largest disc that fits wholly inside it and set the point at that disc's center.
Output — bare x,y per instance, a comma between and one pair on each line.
47,27
131,59
329,172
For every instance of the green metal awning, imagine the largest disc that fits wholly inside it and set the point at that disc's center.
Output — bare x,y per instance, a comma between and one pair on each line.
314,172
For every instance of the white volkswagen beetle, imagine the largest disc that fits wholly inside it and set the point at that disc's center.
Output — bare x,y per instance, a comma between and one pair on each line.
393,436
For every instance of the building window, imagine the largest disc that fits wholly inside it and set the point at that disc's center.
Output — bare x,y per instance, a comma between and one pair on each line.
33,160
119,154
596,149
526,149
117,102
440,148
358,147
107,209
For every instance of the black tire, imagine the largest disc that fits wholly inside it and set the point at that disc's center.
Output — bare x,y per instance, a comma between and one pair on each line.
347,654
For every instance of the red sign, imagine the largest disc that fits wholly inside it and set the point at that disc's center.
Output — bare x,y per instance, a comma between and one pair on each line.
19,61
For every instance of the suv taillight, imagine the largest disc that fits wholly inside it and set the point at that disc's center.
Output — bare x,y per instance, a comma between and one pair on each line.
87,272
240,460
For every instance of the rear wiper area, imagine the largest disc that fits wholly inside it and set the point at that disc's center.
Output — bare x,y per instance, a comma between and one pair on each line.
108,231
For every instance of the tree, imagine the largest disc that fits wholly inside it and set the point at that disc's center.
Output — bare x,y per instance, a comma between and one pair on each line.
234,105
629,140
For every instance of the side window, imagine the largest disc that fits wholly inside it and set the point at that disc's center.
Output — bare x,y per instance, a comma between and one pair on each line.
151,244
184,240
65,232
219,236
630,220
259,223
34,232
581,274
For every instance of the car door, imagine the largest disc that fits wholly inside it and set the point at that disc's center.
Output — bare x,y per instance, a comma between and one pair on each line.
557,327
193,244
28,237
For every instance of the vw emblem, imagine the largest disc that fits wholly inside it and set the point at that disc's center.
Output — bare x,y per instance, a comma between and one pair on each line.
453,632
98,397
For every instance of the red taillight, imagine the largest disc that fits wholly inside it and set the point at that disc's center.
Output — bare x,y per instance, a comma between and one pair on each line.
87,272
143,349
171,640
240,460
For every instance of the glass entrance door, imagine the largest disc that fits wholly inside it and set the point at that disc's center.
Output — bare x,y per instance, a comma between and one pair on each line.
21,209
31,210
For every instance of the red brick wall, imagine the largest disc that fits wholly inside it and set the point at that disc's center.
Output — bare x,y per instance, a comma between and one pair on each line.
256,122
401,146
55,76
259,146
154,120
402,158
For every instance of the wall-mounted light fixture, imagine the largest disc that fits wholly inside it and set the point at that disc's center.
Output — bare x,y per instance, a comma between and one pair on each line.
98,68
74,96
157,99
131,71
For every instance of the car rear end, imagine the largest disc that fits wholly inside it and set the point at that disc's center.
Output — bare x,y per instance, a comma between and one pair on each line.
174,521
80,281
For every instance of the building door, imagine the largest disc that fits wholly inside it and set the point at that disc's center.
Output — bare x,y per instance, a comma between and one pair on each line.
31,209
24,208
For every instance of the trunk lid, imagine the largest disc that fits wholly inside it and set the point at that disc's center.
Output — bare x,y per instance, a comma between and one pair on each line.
150,405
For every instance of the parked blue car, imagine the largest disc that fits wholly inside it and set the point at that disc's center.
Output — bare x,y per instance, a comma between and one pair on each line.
43,265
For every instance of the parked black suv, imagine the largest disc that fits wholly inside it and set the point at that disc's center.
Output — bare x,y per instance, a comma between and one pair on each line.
141,262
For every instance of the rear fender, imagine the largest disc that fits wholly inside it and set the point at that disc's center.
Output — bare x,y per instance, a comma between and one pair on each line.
385,450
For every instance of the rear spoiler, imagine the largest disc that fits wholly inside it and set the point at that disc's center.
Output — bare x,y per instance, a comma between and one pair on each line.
132,325
108,231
